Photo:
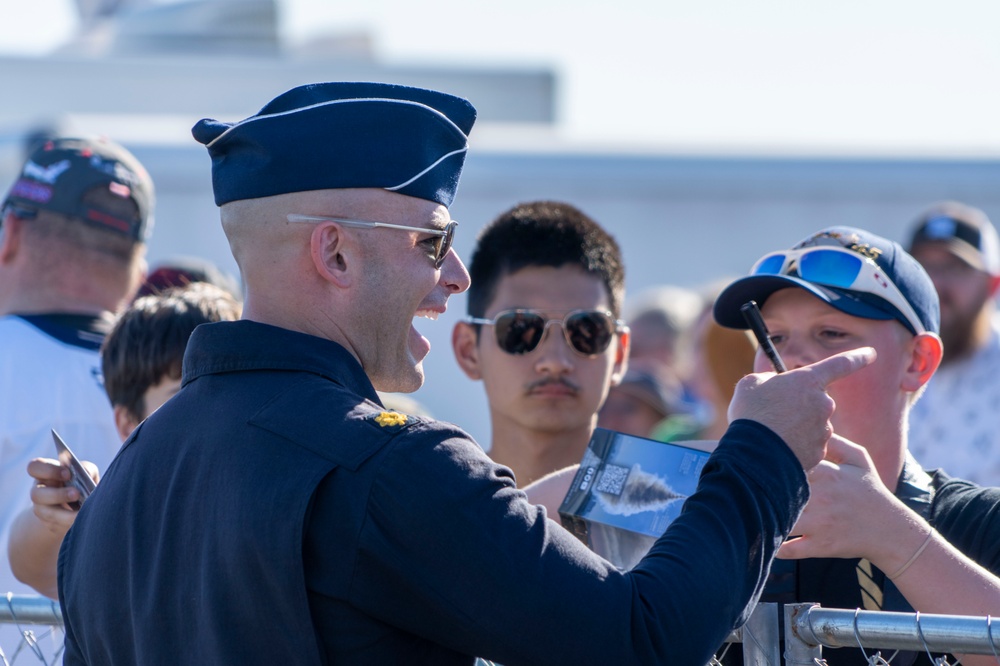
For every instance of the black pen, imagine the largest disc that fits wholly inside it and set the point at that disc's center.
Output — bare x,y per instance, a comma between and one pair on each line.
752,314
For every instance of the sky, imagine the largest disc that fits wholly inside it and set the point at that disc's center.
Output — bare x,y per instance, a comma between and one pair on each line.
855,76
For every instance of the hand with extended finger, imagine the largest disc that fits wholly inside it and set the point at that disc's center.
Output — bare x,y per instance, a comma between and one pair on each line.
795,404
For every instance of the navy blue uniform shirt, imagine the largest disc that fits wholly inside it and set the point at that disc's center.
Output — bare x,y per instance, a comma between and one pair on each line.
272,512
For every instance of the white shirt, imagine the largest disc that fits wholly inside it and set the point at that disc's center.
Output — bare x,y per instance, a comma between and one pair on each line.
45,383
955,425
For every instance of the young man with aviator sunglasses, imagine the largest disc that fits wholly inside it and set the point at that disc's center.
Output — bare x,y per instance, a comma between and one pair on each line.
878,532
543,333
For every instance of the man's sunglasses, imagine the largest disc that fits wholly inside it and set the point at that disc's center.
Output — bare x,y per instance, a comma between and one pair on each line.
840,268
588,332
440,247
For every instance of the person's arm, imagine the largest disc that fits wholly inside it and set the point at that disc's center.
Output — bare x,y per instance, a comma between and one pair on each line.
851,514
448,548
37,533
943,580
550,490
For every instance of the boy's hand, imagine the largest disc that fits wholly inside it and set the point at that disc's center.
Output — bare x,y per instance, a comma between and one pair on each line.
850,512
50,497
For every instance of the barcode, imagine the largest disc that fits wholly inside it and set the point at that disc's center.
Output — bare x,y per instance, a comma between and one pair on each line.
612,480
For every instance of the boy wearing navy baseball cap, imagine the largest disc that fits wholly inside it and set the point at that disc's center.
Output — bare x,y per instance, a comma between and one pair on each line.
878,532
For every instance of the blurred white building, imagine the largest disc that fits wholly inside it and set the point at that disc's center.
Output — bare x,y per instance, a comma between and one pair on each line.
143,72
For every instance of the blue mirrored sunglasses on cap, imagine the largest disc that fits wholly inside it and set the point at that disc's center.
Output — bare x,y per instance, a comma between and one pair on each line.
840,268
587,332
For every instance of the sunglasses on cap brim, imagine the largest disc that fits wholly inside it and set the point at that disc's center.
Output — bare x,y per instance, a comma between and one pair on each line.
842,269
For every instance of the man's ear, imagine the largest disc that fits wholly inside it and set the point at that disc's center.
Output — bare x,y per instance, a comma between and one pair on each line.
926,357
465,343
10,237
331,254
621,357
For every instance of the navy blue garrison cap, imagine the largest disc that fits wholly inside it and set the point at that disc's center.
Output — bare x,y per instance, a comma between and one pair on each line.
342,135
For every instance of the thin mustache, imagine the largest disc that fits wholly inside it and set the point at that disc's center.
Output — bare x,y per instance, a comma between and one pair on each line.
553,380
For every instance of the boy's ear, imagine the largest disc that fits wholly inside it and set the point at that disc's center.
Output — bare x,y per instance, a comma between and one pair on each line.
124,422
465,343
621,357
927,352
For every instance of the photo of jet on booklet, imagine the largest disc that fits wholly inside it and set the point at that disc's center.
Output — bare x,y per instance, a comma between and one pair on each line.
627,491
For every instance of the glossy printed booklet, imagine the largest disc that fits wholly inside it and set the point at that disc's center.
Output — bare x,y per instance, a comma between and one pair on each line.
628,490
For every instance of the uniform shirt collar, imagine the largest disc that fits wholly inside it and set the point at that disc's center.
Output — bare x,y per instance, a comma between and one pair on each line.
241,346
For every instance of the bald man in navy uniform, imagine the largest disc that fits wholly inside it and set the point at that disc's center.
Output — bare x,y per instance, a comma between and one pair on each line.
275,512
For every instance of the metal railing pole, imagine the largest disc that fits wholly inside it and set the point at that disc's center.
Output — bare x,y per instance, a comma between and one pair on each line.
760,637
30,609
800,649
902,631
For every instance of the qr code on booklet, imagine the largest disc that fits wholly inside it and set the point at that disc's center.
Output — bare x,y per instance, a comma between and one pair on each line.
612,480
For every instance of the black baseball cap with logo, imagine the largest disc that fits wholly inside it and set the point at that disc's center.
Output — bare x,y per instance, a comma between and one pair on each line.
964,230
60,172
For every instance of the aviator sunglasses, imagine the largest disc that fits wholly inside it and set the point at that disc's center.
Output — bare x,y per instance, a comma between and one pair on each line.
840,268
441,244
588,332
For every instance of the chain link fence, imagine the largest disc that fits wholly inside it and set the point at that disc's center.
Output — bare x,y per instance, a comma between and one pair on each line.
30,631
809,628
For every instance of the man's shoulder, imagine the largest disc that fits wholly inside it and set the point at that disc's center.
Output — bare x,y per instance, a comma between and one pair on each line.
15,329
968,515
35,369
948,489
961,500
339,425
75,333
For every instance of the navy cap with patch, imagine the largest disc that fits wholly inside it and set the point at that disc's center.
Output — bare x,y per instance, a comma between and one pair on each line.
897,266
966,231
342,135
60,172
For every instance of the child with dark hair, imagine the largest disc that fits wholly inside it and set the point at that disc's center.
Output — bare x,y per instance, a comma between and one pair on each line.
141,357
141,361
536,265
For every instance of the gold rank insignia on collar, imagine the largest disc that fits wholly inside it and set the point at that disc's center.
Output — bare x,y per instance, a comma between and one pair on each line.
386,419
